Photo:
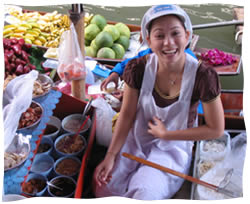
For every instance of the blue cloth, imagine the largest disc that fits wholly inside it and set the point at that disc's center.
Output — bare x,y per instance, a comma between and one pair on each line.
119,68
14,178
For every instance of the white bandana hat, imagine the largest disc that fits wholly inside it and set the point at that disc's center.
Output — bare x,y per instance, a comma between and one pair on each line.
162,10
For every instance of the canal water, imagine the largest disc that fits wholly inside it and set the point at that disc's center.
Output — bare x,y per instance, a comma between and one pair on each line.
219,37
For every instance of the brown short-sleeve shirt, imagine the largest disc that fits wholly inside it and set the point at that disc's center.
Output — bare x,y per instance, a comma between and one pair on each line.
206,87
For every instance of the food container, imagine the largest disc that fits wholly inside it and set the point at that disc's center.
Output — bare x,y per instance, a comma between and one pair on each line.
216,149
35,185
31,117
67,183
53,128
17,153
72,123
46,146
12,197
42,85
75,148
42,164
67,166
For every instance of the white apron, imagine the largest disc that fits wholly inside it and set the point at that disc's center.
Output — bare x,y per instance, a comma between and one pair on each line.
133,180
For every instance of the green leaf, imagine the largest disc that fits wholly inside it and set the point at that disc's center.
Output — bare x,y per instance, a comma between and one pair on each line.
36,58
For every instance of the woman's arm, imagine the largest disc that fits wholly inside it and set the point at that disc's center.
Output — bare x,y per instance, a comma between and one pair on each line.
102,174
214,127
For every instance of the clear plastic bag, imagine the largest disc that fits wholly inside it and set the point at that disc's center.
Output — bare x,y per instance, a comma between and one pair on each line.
215,150
17,98
104,116
71,64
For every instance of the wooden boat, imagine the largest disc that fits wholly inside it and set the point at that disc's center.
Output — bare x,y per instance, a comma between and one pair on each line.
232,101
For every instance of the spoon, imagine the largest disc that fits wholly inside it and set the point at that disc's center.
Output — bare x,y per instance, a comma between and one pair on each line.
226,178
86,109
83,122
54,186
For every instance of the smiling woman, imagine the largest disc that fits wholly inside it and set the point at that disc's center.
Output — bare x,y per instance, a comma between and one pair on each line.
157,124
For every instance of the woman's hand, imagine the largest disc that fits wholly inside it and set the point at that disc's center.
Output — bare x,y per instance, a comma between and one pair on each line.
113,77
157,128
102,174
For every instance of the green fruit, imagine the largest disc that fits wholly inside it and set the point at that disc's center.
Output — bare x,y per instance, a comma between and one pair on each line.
123,29
87,42
104,39
91,31
106,52
124,41
119,50
94,46
99,20
113,31
90,51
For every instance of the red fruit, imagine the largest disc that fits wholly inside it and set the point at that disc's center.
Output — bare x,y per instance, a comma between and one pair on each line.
19,69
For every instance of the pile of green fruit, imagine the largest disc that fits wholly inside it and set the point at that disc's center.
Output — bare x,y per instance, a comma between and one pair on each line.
103,40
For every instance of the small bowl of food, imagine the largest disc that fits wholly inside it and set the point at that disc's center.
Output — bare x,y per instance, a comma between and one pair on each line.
45,146
17,153
65,145
31,117
67,166
35,185
42,86
73,122
62,186
53,128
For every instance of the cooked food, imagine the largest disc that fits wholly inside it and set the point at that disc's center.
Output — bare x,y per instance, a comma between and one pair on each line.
68,167
75,145
12,159
30,116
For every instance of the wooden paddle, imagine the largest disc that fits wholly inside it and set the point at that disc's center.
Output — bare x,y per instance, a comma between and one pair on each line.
179,174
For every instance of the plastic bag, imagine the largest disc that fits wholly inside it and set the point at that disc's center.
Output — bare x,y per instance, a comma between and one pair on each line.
217,149
104,116
70,60
235,159
17,98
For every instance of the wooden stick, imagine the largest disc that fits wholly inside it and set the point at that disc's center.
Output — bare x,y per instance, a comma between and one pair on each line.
171,171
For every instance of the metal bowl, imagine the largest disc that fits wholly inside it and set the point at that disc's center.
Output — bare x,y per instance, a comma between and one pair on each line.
42,86
17,153
33,104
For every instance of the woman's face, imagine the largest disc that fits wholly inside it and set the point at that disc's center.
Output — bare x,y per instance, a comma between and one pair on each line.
168,39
